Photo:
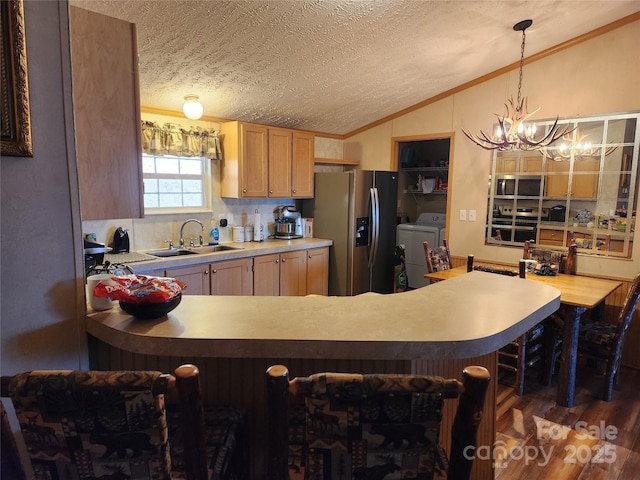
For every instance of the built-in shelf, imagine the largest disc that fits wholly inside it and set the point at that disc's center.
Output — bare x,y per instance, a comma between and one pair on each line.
337,161
420,192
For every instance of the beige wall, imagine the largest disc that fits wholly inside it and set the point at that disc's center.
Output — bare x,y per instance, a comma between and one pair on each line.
42,301
595,77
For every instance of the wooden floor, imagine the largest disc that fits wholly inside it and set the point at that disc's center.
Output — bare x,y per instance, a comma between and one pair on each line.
537,439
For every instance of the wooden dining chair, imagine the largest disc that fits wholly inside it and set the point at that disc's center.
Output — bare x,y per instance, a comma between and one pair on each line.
603,342
101,424
350,426
438,259
525,352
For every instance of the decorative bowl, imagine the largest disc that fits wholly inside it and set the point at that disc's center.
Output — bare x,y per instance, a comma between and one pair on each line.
149,311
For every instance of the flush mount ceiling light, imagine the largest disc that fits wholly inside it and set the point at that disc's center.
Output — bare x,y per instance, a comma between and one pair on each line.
512,132
192,108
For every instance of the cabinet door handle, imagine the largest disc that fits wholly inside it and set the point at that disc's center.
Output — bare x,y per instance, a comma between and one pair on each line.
283,260
207,273
214,271
244,190
277,261
293,191
270,191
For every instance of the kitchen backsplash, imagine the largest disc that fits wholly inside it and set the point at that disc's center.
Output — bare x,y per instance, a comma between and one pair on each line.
152,232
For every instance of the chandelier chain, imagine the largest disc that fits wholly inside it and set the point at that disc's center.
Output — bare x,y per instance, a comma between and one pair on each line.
512,133
521,66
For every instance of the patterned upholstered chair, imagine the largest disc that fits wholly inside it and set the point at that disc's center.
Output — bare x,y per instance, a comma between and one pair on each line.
603,342
345,426
438,259
97,424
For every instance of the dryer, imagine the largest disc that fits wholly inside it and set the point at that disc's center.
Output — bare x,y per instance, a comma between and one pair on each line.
429,227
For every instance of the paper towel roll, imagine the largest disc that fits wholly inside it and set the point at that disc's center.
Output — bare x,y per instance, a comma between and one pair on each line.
257,227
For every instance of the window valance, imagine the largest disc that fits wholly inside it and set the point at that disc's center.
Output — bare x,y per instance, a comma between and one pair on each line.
173,139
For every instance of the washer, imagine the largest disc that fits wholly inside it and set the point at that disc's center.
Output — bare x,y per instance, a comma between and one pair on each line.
430,228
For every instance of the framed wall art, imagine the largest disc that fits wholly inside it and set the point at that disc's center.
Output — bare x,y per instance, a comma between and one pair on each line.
16,116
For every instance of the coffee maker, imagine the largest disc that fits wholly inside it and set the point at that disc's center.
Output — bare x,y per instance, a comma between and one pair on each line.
288,222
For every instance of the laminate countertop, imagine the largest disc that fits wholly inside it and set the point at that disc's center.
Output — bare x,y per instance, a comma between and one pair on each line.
238,251
467,316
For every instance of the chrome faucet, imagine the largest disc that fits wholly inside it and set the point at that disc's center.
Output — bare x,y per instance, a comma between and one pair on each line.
182,229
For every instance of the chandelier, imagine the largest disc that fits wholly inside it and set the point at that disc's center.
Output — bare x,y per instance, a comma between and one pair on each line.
581,148
512,133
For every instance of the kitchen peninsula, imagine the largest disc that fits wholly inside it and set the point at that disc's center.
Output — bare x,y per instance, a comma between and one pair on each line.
437,329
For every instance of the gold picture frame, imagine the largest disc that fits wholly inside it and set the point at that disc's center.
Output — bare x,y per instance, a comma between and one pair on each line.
16,113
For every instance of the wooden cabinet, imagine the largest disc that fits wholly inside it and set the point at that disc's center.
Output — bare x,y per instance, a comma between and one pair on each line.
318,271
300,272
266,275
584,179
280,151
106,102
232,277
195,277
284,274
302,164
551,237
263,162
293,273
244,167
519,162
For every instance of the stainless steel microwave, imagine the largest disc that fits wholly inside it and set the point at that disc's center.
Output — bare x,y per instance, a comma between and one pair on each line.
522,186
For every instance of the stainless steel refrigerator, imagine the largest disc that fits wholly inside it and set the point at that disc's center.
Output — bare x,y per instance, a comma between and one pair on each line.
357,210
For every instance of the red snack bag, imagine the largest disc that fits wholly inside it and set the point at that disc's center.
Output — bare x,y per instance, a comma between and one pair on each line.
139,288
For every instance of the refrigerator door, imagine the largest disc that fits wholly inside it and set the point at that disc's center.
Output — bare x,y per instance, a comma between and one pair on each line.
376,196
343,210
332,211
382,269
361,272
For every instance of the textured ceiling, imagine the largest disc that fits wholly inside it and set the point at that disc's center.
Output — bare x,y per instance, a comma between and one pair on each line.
334,66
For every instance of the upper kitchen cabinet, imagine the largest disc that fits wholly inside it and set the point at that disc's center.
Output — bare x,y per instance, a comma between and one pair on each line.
106,103
280,149
261,162
244,171
302,164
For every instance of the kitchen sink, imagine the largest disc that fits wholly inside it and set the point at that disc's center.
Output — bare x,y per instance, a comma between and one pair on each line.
176,252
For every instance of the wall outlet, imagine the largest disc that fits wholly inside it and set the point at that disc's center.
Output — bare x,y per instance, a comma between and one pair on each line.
472,215
463,215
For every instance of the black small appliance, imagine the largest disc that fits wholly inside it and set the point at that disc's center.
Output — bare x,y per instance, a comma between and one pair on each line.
557,213
120,241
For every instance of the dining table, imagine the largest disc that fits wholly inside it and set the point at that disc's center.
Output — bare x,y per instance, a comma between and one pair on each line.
578,294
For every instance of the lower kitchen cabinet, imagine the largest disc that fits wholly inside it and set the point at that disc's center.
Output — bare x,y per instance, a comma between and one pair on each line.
551,237
196,278
266,275
232,277
283,274
318,271
295,273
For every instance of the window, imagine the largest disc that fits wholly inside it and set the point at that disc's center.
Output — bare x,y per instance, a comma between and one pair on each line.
174,184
